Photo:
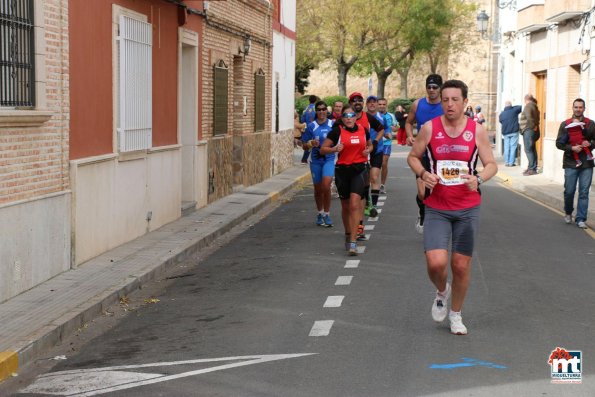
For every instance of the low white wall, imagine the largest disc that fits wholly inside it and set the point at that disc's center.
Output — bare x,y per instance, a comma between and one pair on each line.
34,242
112,199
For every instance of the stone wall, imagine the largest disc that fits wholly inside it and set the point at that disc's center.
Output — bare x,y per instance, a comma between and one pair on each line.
281,151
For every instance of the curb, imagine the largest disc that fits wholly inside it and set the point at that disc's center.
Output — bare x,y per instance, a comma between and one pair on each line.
40,340
555,202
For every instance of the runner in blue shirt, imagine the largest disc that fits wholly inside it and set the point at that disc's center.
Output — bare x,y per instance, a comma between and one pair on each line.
389,128
423,110
322,167
307,117
377,155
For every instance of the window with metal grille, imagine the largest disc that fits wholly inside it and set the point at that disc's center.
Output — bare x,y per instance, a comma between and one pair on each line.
259,100
17,54
220,98
277,106
135,118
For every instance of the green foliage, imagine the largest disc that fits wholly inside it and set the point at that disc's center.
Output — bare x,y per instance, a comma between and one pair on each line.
330,100
405,102
301,104
302,73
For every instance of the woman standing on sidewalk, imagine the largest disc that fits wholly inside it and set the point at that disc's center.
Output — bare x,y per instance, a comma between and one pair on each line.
353,145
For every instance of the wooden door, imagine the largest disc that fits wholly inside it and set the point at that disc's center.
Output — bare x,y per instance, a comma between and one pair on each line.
540,95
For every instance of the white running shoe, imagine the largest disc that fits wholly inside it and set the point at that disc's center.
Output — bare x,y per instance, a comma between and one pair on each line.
582,225
456,324
418,226
568,219
439,307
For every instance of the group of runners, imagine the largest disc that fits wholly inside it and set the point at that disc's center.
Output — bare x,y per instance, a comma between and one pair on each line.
443,157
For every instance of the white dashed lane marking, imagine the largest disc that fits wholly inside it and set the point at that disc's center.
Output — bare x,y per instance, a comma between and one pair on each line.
352,263
361,249
380,203
321,328
334,301
369,227
374,219
382,198
344,280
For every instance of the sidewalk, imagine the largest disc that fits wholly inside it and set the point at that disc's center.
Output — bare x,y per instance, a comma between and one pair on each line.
36,320
541,189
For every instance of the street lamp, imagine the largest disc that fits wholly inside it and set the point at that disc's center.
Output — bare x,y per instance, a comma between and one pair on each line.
482,23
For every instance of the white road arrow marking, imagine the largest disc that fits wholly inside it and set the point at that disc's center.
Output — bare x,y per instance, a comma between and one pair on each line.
95,381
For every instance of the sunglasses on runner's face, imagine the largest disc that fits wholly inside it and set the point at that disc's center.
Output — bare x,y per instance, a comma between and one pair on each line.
432,87
348,115
321,109
356,100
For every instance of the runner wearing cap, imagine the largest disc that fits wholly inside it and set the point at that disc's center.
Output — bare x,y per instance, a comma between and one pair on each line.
352,143
421,111
369,122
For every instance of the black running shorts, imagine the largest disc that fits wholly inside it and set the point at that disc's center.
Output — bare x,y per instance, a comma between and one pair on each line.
351,178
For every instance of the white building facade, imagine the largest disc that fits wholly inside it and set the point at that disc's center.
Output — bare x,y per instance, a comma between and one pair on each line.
284,25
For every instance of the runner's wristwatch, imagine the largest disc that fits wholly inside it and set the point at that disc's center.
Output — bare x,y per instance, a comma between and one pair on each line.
479,179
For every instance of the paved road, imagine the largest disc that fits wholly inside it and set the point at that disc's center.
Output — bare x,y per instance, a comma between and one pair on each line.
241,322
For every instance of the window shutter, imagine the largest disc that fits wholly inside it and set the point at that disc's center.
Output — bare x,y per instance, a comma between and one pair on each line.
259,81
135,118
220,98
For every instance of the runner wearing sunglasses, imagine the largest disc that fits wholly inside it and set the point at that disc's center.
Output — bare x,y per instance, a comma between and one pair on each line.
352,143
322,167
421,111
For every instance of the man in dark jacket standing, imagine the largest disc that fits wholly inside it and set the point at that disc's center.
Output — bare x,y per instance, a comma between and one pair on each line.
530,130
573,173
509,118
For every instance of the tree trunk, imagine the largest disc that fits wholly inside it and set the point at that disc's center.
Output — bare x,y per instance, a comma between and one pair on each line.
342,70
343,67
382,77
404,75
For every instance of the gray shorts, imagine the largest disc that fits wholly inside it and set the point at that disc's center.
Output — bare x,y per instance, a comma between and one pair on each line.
441,227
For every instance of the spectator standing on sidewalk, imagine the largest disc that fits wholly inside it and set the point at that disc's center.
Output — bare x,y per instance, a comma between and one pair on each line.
322,167
583,174
401,116
509,118
453,205
530,131
298,129
307,117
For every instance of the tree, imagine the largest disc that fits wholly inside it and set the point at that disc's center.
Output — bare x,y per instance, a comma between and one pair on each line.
333,30
453,35
302,73
401,30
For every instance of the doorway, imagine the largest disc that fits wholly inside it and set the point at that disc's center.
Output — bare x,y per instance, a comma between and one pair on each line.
188,119
540,95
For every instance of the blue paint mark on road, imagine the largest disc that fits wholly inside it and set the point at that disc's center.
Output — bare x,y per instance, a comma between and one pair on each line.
467,362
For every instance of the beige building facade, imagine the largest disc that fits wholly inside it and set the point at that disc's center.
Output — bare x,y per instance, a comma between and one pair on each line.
35,194
546,51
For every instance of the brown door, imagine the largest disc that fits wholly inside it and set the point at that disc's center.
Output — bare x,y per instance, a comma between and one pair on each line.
540,87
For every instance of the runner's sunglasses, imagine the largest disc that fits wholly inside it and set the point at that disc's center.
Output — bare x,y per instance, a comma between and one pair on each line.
348,115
